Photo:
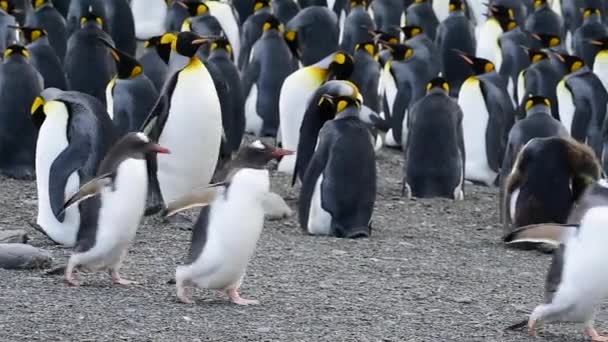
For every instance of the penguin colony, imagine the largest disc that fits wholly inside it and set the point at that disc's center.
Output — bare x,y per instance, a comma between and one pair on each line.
122,109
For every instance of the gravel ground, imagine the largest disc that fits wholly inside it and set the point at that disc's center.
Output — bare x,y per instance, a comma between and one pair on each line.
433,270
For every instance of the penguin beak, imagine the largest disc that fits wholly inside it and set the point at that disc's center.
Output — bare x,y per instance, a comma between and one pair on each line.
200,41
464,56
279,153
159,149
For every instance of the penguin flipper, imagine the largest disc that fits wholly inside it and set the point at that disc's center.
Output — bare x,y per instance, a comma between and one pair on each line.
554,276
90,189
195,199
548,233
154,123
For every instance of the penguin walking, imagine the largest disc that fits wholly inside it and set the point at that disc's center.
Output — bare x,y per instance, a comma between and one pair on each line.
421,13
48,18
591,29
455,32
424,149
119,192
44,58
313,34
75,133
18,138
130,95
356,26
296,93
270,64
488,117
85,54
537,123
189,107
252,30
331,201
579,256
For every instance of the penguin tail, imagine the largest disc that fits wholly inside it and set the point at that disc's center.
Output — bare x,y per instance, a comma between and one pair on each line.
518,325
547,233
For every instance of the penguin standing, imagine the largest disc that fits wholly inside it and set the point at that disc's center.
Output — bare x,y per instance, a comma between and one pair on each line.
538,123
75,133
270,64
80,8
188,107
331,201
88,64
500,21
356,26
591,29
424,148
284,10
600,63
121,25
130,95
149,18
47,17
313,34
389,15
545,20
540,79
296,93
44,58
119,192
455,32
366,74
177,12
514,58
6,20
155,67
225,14
20,83
252,30
421,13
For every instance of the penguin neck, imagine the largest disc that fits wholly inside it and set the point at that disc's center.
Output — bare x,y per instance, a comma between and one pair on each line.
194,62
538,110
348,112
219,53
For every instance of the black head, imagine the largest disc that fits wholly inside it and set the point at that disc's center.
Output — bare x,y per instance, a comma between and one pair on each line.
134,145
261,4
547,40
258,154
222,44
291,37
381,36
37,111
536,55
342,67
272,23
572,63
162,44
357,3
592,12
368,46
400,52
126,65
411,31
497,11
91,19
8,6
339,95
16,50
196,8
36,4
31,34
536,101
457,5
601,42
438,83
539,3
187,43
479,65
506,23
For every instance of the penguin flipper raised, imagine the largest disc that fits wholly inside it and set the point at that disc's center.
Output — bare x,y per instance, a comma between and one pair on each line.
549,233
90,189
195,199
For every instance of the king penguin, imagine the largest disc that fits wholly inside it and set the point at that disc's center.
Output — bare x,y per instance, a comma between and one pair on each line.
20,83
155,67
75,133
296,93
121,25
434,138
540,78
356,26
252,30
80,8
130,95
500,21
313,34
6,19
600,63
339,187
270,64
388,15
119,193
591,29
47,17
284,10
189,107
421,13
87,56
366,74
44,57
545,20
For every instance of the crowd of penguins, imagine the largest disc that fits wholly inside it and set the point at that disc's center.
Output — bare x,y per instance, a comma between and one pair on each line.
122,109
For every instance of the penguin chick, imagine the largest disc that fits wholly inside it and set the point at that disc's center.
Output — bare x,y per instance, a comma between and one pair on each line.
223,243
121,184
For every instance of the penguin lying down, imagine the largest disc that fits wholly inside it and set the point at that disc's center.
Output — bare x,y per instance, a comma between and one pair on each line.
577,280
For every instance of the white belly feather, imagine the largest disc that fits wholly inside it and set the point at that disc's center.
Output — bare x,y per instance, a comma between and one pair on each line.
566,105
319,220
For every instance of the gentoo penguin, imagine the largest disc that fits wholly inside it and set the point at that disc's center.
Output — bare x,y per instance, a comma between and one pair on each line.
537,123
75,133
389,15
223,243
252,30
130,95
296,92
366,74
284,10
88,64
270,64
6,19
312,34
591,29
532,198
233,110
579,256
339,187
119,193
582,102
44,58
356,26
121,25
149,18
545,20
188,107
600,63
501,21
153,64
539,78
421,13
434,126
455,32
488,116
47,17
20,83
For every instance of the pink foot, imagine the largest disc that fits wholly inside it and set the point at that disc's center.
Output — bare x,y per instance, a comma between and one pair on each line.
532,328
118,280
182,295
234,296
69,277
591,332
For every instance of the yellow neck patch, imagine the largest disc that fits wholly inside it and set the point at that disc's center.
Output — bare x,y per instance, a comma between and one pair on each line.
38,102
137,70
576,65
39,3
538,57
